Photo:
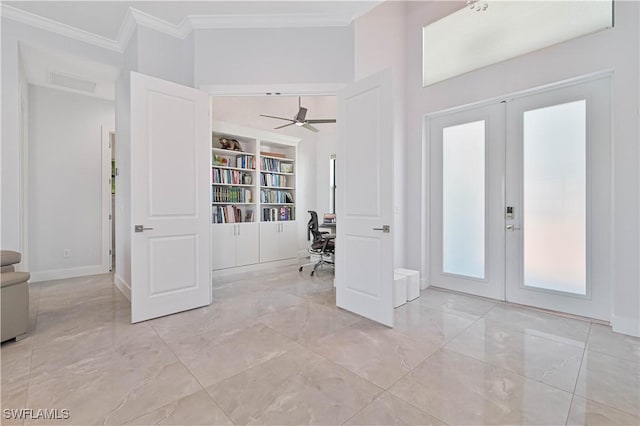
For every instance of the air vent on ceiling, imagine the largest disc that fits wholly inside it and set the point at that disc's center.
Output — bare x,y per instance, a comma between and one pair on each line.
72,82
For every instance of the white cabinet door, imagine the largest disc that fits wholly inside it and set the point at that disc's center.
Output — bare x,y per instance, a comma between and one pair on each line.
269,241
364,252
170,203
223,238
246,244
288,240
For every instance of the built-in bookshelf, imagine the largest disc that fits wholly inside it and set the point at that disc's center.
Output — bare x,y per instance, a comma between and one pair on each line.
233,173
253,197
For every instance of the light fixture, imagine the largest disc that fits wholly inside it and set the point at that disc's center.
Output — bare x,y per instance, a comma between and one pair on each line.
299,123
477,5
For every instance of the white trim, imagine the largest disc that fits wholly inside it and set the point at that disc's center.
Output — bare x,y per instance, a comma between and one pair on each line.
219,126
126,30
60,274
252,268
262,90
135,17
23,142
122,285
105,197
624,325
294,20
144,19
56,27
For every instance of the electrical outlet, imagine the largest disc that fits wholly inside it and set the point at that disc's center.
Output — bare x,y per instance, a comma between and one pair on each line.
66,253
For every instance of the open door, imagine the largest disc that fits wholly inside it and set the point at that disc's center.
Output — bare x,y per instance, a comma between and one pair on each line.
170,199
364,210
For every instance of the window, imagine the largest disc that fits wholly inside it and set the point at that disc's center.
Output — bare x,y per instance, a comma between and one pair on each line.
332,184
468,39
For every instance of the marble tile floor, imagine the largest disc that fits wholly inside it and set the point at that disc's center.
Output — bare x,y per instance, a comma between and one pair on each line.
274,350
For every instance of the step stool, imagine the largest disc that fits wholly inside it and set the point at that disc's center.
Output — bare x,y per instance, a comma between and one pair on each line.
413,282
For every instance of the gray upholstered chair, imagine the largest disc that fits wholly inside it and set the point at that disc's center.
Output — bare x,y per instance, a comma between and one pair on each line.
14,298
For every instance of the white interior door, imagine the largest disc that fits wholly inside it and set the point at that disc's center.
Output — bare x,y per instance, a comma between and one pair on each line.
466,202
364,210
559,186
170,198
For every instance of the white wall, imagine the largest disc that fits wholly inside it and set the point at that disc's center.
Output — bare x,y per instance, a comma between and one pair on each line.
11,146
313,151
616,49
273,55
65,182
163,56
380,43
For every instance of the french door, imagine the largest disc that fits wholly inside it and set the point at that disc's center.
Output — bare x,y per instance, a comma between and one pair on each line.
522,214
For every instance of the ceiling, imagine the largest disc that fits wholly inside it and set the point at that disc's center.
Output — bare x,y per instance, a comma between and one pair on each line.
104,18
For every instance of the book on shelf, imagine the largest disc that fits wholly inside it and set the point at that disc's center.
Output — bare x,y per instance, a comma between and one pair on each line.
245,162
275,196
230,194
269,179
274,165
231,214
273,154
272,214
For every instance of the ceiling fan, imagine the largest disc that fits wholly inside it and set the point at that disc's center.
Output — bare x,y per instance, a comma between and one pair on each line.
300,119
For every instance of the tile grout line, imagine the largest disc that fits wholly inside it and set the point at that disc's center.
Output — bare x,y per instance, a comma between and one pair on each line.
573,394
192,375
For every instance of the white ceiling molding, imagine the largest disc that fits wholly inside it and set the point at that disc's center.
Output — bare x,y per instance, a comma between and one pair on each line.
285,89
144,19
298,20
136,17
56,27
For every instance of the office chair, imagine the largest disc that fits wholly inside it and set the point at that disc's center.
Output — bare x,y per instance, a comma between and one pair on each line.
322,245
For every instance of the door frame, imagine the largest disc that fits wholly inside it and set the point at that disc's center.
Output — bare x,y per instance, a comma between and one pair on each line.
426,196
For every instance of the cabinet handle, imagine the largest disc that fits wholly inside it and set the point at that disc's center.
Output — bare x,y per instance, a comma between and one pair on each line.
238,230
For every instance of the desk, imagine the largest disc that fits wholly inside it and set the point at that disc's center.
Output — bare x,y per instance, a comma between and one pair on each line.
330,226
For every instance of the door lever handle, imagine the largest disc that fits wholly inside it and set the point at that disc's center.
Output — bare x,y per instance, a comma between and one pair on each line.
141,228
511,228
385,228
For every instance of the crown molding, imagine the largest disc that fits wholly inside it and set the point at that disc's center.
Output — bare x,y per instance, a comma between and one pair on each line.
56,27
135,17
299,20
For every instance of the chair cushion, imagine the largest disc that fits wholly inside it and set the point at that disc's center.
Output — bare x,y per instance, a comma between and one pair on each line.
319,244
11,278
9,257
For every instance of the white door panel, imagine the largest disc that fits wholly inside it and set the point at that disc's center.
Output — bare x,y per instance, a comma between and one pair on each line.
364,252
170,180
223,242
269,241
245,244
466,216
558,183
288,240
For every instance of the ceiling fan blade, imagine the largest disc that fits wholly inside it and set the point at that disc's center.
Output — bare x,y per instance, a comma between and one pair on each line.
285,125
310,127
302,113
278,118
322,120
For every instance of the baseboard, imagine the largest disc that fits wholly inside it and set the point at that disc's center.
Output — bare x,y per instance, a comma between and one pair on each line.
628,326
61,274
121,285
253,268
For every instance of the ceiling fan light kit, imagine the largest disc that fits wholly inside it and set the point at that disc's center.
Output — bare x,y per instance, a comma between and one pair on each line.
300,119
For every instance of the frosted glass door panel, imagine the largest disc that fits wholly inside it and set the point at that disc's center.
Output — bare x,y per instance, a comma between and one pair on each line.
554,212
463,199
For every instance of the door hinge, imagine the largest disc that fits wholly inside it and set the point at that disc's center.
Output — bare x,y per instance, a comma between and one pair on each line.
109,217
109,251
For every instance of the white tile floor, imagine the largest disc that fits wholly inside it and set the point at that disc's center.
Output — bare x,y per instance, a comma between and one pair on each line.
274,349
